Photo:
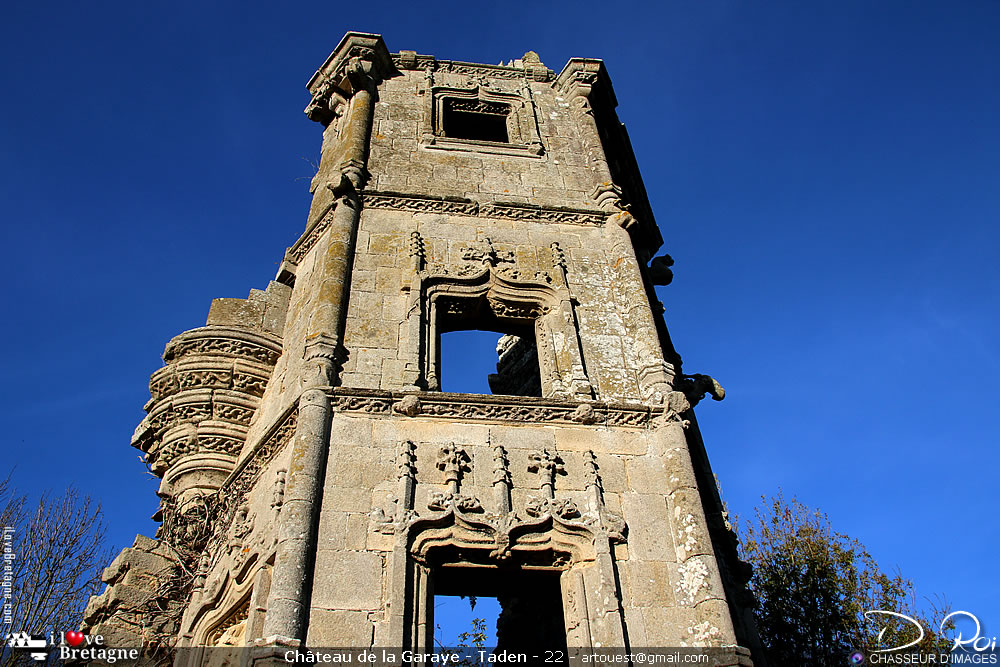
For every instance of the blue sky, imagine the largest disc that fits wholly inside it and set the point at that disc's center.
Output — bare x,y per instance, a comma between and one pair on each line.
825,176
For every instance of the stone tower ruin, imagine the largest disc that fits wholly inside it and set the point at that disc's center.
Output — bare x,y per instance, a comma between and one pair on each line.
317,486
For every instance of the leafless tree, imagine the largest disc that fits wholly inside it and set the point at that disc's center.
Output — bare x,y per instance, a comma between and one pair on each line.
58,551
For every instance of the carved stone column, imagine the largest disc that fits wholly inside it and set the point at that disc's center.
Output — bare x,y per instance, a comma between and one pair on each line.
352,73
288,601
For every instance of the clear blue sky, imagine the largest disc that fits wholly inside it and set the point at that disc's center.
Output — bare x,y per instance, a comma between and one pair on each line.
826,175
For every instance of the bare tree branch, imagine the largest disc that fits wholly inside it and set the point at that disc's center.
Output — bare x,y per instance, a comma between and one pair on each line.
58,555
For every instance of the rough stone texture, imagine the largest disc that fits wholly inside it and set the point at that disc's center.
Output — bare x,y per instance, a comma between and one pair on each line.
318,482
123,613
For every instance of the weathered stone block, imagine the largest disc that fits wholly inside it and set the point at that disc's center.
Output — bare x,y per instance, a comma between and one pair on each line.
339,628
347,580
649,526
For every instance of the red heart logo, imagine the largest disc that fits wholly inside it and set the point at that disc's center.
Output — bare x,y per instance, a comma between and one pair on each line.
74,638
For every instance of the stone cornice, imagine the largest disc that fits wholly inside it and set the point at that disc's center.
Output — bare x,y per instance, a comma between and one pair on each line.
477,407
409,60
398,201
583,74
241,480
309,238
273,441
220,340
360,60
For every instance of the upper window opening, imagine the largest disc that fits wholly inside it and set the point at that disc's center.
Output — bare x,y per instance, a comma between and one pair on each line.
485,362
478,120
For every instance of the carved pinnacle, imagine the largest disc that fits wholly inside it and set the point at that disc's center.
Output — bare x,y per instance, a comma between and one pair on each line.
453,460
590,470
501,475
405,459
417,250
547,465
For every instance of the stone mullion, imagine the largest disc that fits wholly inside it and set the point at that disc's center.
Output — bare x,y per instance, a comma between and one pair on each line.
432,346
400,567
423,596
531,111
426,89
607,612
577,375
548,364
411,349
575,609
582,388
501,480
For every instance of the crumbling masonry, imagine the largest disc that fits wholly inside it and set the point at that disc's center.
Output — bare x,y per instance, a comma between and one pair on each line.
318,488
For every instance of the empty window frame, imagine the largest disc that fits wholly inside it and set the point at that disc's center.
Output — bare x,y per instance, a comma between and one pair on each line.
476,120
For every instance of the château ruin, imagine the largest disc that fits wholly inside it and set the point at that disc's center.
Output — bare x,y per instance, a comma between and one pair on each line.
317,486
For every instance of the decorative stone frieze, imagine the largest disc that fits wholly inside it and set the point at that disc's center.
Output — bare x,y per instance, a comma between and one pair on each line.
478,407
410,60
457,206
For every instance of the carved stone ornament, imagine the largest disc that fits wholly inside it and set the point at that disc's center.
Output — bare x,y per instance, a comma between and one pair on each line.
547,464
530,70
564,509
457,206
409,406
396,520
358,62
231,631
487,254
203,400
585,414
239,544
234,492
503,532
442,502
697,386
436,405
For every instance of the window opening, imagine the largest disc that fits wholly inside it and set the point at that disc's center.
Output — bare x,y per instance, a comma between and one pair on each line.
527,604
488,362
476,119
455,616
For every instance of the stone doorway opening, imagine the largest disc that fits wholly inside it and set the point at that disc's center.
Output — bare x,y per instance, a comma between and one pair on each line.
530,620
